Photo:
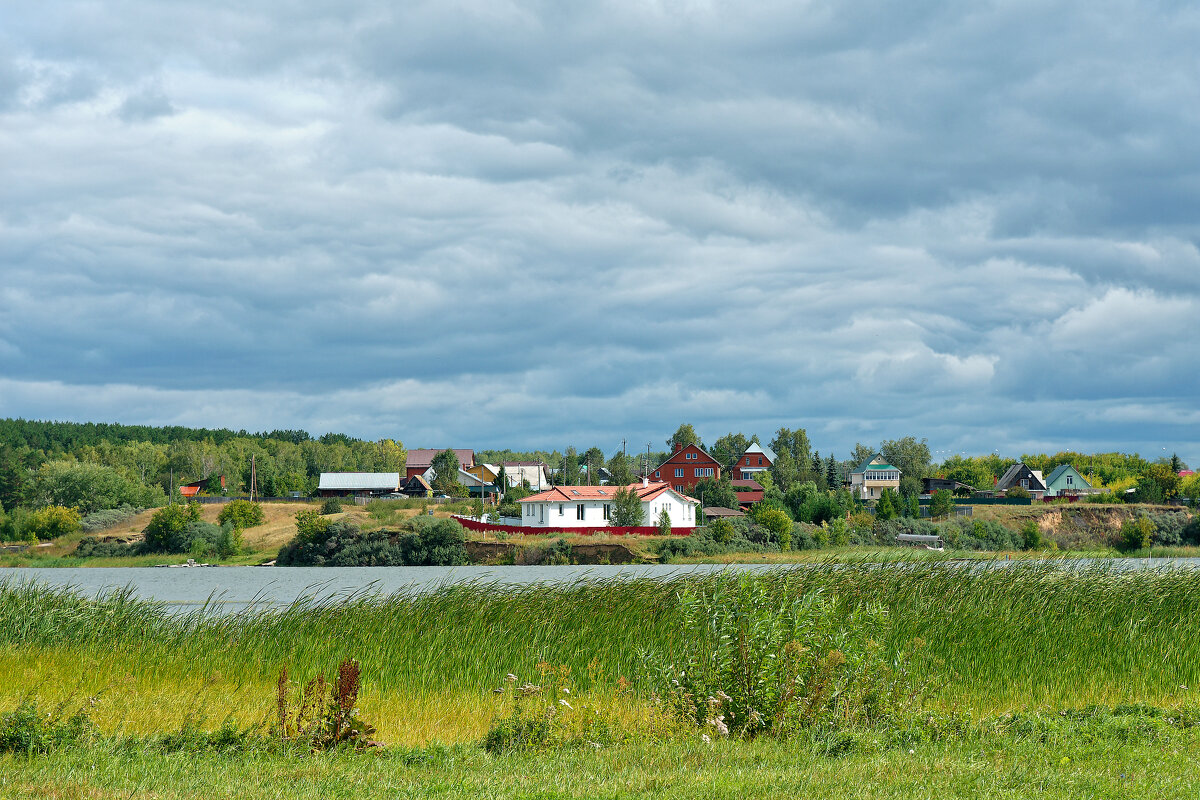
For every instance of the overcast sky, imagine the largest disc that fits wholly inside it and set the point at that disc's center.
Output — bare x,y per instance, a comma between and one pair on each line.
524,224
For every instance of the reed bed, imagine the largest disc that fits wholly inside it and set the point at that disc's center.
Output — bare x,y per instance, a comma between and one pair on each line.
994,638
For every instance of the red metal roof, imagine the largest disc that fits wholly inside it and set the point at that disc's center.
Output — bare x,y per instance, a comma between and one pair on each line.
567,494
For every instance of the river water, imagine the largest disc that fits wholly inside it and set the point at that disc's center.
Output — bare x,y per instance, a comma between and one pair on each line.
227,589
234,588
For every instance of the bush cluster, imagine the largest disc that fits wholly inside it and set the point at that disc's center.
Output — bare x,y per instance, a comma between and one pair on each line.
108,518
241,514
718,537
422,541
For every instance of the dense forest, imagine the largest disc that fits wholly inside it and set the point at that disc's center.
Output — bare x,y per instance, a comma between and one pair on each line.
143,464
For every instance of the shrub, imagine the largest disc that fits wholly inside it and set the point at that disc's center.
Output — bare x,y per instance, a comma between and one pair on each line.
1032,535
166,527
544,715
776,521
1135,534
425,541
1017,491
759,663
664,523
241,514
108,518
52,522
91,547
331,505
721,530
28,730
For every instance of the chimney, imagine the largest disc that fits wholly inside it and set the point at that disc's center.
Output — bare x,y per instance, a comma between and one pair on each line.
678,446
645,481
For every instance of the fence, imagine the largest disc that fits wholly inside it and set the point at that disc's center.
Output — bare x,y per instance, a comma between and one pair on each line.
490,527
231,498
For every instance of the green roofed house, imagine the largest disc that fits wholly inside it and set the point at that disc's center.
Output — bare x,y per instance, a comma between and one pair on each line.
872,476
1066,481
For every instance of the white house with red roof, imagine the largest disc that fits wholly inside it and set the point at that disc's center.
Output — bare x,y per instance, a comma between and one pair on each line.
591,506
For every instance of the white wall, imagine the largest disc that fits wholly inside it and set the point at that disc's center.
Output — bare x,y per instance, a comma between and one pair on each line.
546,515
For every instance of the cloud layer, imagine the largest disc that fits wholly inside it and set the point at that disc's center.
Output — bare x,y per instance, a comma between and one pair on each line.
526,224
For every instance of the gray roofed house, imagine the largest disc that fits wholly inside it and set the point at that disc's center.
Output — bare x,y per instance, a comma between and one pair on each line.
1021,475
343,484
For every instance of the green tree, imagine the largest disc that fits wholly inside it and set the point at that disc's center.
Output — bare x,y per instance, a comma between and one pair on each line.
626,509
818,471
568,473
913,460
784,471
664,522
778,523
14,478
620,470
941,504
796,445
730,447
1019,492
167,525
445,466
593,460
1031,535
713,492
88,487
885,507
721,530
833,479
684,436
1136,534
861,453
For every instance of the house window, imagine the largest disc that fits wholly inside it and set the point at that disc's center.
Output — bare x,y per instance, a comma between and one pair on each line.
607,511
679,487
1070,480
748,461
679,472
656,475
760,461
1024,483
704,472
560,509
579,511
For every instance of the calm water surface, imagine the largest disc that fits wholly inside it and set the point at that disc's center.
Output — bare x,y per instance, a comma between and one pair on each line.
233,588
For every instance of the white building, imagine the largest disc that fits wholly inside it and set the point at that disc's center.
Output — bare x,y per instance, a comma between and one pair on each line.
591,506
535,473
872,476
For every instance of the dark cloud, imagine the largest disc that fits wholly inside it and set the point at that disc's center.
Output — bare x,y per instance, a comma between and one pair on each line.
544,224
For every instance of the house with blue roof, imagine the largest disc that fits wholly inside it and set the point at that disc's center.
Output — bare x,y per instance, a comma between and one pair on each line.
872,476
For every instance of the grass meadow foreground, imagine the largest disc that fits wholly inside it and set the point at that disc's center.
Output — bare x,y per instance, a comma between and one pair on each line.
850,679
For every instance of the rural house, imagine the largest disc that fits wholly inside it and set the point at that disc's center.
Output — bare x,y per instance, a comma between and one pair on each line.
872,476
686,467
536,473
756,459
1021,475
419,461
591,506
1065,481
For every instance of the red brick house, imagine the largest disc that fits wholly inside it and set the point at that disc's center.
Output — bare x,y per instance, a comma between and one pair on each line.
686,467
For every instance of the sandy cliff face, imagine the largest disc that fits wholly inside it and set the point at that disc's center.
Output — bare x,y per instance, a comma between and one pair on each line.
1079,525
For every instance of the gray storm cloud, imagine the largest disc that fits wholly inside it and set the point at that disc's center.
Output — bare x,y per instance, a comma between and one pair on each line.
535,225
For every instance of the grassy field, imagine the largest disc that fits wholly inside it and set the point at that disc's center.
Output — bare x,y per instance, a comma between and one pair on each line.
1031,639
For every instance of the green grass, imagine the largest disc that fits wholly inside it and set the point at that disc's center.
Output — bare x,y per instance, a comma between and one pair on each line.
1031,637
1099,763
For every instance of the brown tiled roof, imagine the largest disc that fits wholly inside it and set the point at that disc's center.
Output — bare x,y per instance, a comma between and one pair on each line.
424,458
